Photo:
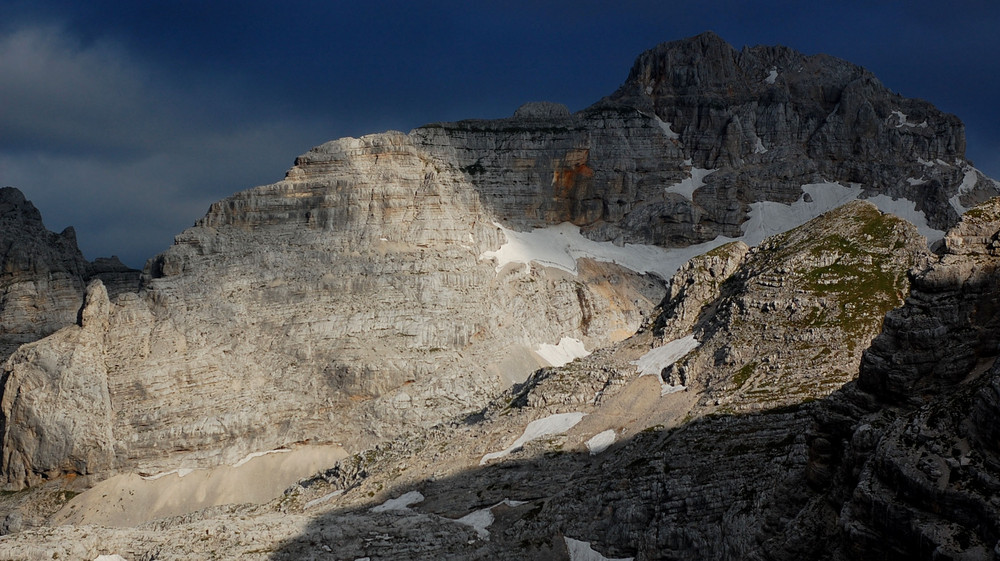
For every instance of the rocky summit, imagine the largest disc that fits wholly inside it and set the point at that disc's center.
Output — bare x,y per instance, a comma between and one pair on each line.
739,308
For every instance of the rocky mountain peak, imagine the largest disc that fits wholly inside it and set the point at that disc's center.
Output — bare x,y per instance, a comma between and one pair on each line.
465,277
43,274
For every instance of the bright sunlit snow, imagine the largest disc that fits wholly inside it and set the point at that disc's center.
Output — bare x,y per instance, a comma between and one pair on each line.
401,503
561,245
653,362
553,424
565,352
581,551
601,442
114,557
688,186
772,76
769,218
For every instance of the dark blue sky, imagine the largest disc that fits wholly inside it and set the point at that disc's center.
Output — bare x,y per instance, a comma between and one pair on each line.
127,119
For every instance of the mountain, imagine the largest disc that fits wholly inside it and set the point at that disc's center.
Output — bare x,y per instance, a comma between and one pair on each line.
420,299
43,275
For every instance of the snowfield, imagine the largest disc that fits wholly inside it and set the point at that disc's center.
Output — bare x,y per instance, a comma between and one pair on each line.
561,245
553,424
565,352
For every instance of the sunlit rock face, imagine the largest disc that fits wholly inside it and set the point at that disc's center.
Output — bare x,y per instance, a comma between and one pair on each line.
363,295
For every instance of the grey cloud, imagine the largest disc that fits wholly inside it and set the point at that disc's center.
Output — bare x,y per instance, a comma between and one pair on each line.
126,156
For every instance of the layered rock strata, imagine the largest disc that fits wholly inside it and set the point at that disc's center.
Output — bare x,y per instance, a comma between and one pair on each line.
43,275
354,299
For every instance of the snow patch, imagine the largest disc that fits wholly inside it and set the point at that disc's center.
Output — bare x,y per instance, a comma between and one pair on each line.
401,503
114,557
772,75
653,362
914,181
759,148
561,245
688,186
601,442
581,551
259,454
553,424
904,122
180,473
483,518
907,210
565,352
649,90
480,520
665,127
769,218
324,498
968,184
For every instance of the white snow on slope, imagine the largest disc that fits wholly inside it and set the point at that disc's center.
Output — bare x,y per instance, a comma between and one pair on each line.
114,557
772,76
561,245
259,454
565,352
907,210
914,181
904,122
601,442
553,424
769,218
653,362
483,518
401,503
688,186
581,551
759,148
968,183
665,127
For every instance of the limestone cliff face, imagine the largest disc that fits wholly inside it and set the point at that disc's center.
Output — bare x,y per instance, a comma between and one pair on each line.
353,299
43,275
345,304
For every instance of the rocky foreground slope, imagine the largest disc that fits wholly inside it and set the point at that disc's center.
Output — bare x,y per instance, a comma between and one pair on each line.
391,289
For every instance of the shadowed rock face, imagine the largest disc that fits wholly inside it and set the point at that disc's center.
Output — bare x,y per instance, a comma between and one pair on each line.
43,274
351,301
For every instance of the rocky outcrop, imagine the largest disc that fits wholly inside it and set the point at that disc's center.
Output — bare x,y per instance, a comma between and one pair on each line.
43,275
790,320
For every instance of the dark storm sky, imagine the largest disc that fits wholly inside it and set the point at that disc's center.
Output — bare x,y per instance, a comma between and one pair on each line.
127,119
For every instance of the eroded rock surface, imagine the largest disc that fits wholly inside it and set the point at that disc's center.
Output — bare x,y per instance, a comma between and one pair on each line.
43,275
352,301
